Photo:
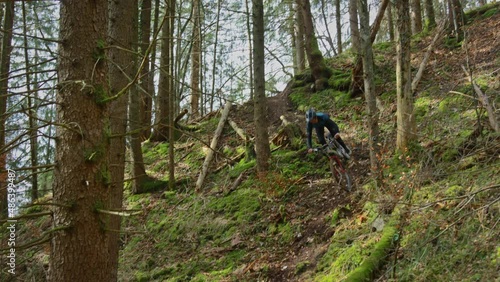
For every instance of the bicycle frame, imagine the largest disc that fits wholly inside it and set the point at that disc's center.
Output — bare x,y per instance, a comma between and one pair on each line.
337,163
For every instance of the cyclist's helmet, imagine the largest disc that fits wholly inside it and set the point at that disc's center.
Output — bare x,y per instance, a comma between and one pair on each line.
310,114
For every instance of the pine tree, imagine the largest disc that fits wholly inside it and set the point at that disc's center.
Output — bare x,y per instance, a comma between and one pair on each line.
82,177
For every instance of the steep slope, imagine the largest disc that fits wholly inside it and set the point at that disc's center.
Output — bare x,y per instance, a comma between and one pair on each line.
295,225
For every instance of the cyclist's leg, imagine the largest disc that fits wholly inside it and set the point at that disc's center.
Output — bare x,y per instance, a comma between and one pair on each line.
335,132
320,131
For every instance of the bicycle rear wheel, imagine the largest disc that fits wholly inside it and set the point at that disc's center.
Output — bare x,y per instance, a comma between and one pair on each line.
340,174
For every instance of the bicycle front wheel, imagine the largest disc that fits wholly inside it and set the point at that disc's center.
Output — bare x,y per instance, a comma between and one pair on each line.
340,174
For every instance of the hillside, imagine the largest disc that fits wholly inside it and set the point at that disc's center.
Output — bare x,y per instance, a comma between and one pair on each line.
435,218
294,225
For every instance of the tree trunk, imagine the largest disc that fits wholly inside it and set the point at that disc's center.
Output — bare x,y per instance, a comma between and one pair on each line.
250,48
456,18
406,123
32,108
139,175
122,31
300,41
430,15
338,24
320,71
354,25
260,106
81,176
196,60
145,83
164,87
4,85
172,107
215,57
416,16
390,22
370,96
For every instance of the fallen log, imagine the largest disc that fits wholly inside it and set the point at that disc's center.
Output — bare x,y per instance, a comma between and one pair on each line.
483,99
213,145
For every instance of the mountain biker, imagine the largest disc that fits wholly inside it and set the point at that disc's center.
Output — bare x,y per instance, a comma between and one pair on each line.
319,121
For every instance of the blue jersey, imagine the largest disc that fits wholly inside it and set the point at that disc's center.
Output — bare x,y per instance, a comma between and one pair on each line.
323,121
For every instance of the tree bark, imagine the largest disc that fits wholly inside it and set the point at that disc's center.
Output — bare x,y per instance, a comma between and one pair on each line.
456,18
354,25
165,84
122,32
139,176
250,48
430,15
406,123
145,83
32,108
196,60
338,24
81,177
213,146
390,22
262,148
4,85
369,87
416,16
300,53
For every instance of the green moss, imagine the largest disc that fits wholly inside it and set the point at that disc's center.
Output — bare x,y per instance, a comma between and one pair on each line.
368,268
241,167
340,80
101,94
301,267
104,175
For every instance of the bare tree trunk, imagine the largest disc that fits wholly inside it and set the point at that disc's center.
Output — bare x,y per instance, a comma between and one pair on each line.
416,16
370,96
214,65
145,83
81,177
456,18
338,24
430,15
139,175
390,22
122,32
32,116
164,87
171,110
300,42
4,85
260,106
406,120
354,25
196,60
320,71
250,45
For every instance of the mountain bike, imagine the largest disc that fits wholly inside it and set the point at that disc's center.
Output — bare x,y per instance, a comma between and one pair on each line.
337,159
